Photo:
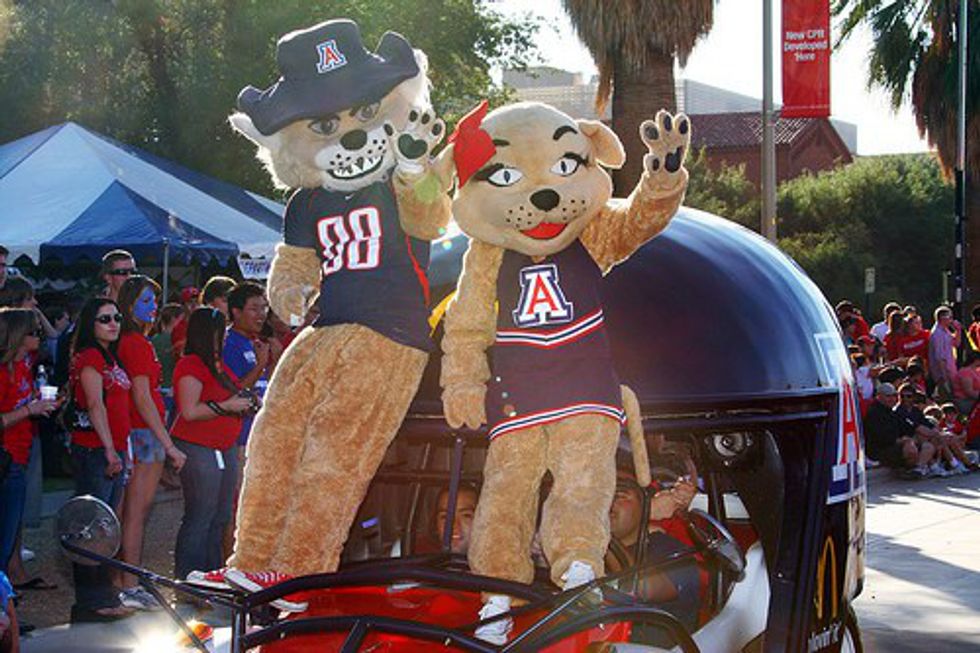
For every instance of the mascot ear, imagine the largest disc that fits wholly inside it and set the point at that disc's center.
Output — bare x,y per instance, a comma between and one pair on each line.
606,145
444,166
241,123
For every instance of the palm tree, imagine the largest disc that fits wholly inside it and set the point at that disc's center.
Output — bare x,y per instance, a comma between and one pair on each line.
634,44
915,53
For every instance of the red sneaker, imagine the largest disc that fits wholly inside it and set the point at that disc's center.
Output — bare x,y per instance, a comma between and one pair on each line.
259,580
230,577
215,578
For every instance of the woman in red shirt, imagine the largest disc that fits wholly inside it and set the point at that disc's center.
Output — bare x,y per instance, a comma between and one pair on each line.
100,388
207,427
20,334
149,443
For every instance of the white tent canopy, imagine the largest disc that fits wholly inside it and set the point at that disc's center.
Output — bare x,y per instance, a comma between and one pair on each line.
67,192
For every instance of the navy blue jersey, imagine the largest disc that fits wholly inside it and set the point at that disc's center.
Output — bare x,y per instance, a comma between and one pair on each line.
551,356
374,274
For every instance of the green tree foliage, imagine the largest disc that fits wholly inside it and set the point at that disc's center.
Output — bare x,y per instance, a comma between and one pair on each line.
723,190
164,74
893,213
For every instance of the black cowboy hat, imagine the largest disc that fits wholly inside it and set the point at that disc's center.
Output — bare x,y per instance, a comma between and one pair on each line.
325,69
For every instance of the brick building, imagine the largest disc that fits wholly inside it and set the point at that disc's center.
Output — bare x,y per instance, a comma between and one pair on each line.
727,125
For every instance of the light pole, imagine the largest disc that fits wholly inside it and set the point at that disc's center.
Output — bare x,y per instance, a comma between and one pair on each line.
960,170
768,181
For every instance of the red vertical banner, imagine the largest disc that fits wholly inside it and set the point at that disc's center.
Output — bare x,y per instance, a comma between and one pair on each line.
806,58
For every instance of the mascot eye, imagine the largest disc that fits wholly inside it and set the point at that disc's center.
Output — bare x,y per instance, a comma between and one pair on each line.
367,112
326,126
505,177
566,166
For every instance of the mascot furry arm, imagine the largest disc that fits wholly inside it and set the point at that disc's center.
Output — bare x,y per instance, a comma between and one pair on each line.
623,226
470,329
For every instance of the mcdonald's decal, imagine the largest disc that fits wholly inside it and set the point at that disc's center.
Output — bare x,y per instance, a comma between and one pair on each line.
827,607
829,553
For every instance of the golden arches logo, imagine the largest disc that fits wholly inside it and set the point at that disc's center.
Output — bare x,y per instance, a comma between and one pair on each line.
829,552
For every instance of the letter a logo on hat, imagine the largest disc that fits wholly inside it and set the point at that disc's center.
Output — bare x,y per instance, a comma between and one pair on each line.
330,56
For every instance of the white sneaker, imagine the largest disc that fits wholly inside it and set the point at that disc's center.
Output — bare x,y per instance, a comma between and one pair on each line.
871,464
138,598
937,470
578,573
26,554
495,632
958,468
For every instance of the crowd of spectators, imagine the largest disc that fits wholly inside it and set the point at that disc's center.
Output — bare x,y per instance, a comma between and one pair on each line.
133,387
917,388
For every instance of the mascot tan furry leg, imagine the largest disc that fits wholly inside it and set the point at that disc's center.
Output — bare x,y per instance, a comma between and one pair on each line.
580,453
325,460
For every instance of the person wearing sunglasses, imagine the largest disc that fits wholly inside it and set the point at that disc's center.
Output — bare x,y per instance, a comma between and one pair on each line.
100,430
117,266
149,443
20,336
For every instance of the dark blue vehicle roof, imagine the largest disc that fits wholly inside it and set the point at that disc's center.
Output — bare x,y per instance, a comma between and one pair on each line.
709,312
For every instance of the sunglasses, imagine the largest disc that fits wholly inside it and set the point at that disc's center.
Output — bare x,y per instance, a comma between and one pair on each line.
106,319
908,396
37,333
122,272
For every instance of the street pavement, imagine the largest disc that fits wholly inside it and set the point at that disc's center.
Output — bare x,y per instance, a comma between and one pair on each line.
921,592
922,586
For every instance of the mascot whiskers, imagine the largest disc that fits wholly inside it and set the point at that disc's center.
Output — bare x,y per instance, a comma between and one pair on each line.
352,130
535,201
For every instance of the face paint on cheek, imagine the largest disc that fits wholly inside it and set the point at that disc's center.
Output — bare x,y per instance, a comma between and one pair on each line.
145,309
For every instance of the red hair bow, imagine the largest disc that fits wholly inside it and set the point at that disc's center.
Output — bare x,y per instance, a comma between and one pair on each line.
473,145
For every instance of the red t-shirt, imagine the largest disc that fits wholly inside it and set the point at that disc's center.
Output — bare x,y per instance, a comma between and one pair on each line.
16,389
220,432
893,345
178,336
137,355
916,345
973,334
115,396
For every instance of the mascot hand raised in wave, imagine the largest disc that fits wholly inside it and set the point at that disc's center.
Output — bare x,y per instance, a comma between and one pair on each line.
543,230
352,130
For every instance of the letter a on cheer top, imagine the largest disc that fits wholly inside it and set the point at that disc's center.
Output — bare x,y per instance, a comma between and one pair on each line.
806,58
542,302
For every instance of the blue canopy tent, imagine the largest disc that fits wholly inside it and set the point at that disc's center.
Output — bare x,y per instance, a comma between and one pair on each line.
68,193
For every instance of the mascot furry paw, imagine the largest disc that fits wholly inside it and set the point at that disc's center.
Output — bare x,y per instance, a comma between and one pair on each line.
352,131
536,204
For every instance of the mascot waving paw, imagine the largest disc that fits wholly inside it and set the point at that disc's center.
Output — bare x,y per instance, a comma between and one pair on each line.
535,201
351,131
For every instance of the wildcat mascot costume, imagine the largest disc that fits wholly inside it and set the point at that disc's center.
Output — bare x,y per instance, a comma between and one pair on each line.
351,130
535,201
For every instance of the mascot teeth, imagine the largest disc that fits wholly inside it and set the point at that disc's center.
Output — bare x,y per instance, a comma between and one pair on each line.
359,168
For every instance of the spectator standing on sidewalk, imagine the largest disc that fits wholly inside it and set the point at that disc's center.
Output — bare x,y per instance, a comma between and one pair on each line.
944,340
20,336
973,331
150,445
879,329
207,426
252,358
117,266
100,389
190,298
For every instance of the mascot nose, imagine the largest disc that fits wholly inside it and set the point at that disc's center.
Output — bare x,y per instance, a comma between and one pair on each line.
546,199
354,139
